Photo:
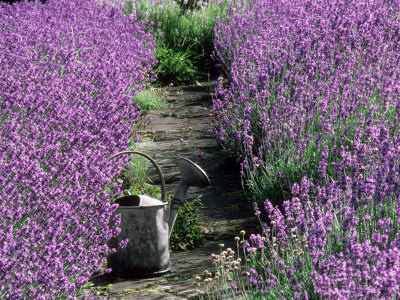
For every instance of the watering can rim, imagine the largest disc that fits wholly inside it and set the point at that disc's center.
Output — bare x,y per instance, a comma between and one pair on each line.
142,207
158,205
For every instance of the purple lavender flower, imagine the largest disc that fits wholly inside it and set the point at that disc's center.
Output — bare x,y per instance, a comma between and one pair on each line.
257,241
257,211
313,94
235,289
68,72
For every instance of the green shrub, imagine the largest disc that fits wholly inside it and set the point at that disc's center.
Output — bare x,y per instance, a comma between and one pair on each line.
186,234
187,30
175,66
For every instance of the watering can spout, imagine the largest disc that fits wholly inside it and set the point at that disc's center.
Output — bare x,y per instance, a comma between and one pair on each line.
192,175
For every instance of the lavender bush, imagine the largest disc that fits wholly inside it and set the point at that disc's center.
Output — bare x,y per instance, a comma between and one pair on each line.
304,76
312,107
68,72
338,240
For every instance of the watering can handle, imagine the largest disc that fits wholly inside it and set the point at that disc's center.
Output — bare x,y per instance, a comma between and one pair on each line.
163,194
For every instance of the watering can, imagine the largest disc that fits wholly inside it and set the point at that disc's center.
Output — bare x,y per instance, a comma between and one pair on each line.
147,222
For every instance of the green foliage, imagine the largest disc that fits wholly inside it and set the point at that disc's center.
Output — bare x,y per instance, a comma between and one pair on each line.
145,189
134,180
190,5
184,31
175,66
149,99
186,233
137,173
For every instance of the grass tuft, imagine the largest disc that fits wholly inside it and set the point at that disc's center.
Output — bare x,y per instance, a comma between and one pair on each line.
150,99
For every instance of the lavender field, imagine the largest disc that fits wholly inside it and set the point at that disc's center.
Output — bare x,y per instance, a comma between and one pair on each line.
312,107
308,99
67,73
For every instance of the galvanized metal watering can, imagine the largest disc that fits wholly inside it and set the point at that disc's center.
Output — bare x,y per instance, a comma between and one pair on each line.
147,222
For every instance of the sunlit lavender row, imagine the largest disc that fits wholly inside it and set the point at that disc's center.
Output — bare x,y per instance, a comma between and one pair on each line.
312,107
68,72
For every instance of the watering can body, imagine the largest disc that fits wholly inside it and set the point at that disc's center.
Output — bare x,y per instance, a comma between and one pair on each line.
143,222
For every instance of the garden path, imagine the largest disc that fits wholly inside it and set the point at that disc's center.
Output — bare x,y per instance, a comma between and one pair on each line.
185,130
